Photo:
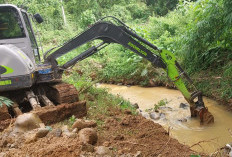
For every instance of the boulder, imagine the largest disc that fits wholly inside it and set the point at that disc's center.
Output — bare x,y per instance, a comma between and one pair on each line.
27,122
81,124
155,116
88,135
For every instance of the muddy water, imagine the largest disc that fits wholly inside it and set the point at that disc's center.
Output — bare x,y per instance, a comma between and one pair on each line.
190,132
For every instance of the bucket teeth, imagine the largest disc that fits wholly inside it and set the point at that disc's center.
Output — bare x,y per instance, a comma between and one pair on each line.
202,112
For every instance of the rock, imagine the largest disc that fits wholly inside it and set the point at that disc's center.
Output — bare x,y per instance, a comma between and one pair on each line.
145,115
27,122
2,154
155,116
42,132
81,124
138,154
55,133
75,130
138,111
70,134
88,135
182,120
184,106
136,106
87,147
65,128
102,150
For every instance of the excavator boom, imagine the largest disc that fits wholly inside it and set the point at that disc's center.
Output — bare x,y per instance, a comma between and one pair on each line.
121,34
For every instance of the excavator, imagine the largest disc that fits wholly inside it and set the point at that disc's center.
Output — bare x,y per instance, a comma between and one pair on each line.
32,84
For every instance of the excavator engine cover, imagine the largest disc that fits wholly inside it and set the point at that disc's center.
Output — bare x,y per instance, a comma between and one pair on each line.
16,69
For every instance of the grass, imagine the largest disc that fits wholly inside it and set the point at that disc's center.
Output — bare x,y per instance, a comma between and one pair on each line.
99,101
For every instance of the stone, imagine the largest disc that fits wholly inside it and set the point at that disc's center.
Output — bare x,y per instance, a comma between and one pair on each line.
155,116
145,115
182,120
2,154
55,133
88,135
81,124
70,134
138,111
27,122
184,106
75,130
138,154
65,128
102,150
87,147
42,132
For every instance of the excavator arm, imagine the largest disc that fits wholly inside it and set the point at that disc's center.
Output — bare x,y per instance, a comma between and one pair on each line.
121,34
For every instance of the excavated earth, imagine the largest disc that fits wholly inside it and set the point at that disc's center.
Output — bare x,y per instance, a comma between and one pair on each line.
122,133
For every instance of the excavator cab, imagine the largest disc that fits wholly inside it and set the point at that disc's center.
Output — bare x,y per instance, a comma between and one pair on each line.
16,29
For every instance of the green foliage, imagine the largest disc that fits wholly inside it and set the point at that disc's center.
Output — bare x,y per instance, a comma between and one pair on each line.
87,18
6,101
72,120
161,7
160,104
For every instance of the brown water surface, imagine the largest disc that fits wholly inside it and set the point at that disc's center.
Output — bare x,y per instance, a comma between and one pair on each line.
190,132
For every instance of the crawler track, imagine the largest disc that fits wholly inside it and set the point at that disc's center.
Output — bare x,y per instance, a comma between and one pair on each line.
62,93
64,96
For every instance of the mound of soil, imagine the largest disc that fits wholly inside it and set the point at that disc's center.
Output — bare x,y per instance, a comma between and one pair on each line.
121,133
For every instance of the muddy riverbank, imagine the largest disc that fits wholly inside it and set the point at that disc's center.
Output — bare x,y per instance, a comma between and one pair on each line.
187,131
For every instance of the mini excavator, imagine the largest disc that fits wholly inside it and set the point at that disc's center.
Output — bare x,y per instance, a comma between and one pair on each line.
25,78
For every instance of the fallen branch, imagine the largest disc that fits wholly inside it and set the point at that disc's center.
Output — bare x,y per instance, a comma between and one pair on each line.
203,141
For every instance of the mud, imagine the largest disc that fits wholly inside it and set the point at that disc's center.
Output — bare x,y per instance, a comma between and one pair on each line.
185,129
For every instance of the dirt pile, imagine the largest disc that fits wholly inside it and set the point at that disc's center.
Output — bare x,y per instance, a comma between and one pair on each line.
121,134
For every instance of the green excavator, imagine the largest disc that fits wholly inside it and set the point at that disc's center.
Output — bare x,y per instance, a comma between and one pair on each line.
25,79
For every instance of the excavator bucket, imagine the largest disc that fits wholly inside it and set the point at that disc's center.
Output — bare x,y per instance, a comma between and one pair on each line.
203,113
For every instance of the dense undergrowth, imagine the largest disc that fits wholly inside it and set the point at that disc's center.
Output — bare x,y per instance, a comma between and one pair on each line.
198,32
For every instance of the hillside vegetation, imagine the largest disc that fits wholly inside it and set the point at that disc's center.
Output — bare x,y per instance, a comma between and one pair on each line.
198,32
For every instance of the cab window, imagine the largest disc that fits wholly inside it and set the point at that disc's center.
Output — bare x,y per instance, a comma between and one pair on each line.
10,24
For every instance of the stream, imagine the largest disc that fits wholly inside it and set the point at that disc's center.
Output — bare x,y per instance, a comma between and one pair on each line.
187,132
